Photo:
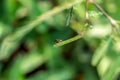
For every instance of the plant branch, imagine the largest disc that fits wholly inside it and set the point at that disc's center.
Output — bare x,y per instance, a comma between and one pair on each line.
86,12
47,15
111,20
68,41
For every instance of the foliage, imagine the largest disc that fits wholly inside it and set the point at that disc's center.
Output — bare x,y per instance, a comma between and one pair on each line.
88,34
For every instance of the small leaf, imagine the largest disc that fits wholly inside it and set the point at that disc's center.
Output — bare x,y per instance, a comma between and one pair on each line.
69,16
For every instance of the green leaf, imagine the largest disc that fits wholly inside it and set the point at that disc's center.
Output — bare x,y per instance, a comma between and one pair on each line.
101,50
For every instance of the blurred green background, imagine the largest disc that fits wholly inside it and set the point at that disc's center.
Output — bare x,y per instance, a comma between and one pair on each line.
29,54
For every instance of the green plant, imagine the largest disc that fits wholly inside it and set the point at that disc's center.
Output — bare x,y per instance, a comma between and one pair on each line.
38,35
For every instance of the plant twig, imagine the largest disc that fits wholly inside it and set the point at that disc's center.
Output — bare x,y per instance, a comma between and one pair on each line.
68,41
111,20
87,21
86,12
47,15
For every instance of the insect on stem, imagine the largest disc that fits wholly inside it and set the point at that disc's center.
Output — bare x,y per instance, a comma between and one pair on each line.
67,41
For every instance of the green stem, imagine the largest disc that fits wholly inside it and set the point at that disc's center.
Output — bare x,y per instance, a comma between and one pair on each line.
68,41
113,22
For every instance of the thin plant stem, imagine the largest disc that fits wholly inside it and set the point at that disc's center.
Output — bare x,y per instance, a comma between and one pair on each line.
86,12
68,41
45,16
111,20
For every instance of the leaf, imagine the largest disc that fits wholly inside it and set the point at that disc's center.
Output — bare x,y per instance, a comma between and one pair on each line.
101,50
113,70
69,16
